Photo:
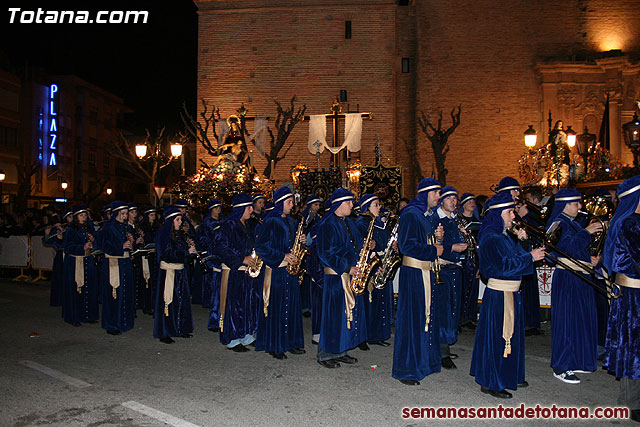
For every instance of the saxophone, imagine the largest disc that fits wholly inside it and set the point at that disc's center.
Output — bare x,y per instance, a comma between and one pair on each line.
365,265
431,240
254,270
299,251
390,262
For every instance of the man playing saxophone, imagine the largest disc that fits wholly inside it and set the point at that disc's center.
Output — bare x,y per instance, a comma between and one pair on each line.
280,323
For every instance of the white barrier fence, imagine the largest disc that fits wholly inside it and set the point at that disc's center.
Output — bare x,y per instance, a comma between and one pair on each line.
24,252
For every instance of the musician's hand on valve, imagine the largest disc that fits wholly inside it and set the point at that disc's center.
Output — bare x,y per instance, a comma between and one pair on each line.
594,227
372,244
354,271
538,254
522,234
290,258
439,232
595,260
439,249
303,239
140,240
127,245
88,245
395,246
192,250
249,261
459,247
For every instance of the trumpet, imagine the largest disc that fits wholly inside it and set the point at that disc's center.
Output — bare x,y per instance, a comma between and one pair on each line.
549,240
254,270
542,211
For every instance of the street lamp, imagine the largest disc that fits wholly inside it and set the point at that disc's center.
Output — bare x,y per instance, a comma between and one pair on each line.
141,150
631,133
176,149
2,177
64,185
586,145
571,137
109,191
530,137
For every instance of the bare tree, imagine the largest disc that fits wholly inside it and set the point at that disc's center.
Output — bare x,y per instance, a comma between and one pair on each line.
286,120
199,130
439,138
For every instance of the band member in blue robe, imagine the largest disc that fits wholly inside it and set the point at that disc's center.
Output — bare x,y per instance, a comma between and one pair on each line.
416,349
149,226
509,185
497,362
343,318
378,303
310,217
80,286
235,245
620,257
54,237
136,261
280,323
470,219
206,239
574,323
172,314
448,293
117,280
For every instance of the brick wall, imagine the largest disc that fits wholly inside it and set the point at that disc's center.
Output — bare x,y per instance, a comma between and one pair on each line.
478,54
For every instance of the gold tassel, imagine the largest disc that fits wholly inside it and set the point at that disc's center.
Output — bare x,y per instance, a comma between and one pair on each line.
79,289
115,295
266,311
426,324
507,348
166,309
221,323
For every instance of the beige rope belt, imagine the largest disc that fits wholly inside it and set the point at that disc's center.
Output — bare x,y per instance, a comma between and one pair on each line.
224,284
349,298
573,265
114,271
146,272
79,273
626,281
424,267
266,287
169,282
508,287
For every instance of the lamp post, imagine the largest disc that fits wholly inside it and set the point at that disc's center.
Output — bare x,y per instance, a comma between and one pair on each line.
64,184
631,133
586,144
2,177
530,137
159,158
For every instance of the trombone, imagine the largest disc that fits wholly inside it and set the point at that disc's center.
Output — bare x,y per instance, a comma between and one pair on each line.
610,289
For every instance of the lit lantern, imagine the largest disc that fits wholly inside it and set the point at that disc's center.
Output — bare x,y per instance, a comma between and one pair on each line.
571,137
530,137
141,150
631,133
176,149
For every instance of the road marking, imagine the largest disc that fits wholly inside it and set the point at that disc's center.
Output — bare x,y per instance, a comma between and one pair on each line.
158,415
55,374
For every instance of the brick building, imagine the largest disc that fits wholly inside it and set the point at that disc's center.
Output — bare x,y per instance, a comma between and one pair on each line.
507,63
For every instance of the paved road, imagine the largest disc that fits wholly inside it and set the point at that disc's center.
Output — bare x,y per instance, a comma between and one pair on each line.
83,377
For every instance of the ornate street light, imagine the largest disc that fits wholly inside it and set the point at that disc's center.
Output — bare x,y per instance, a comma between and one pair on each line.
571,137
586,144
141,150
631,133
176,149
530,137
64,184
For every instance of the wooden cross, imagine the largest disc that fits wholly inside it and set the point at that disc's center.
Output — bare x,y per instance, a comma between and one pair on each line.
335,115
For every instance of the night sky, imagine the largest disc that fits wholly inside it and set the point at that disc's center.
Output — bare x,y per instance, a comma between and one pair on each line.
152,66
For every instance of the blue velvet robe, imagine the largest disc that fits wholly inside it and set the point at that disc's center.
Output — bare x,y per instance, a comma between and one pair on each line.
233,243
501,257
336,250
152,259
529,288
416,352
622,357
119,313
83,306
574,323
55,297
379,311
281,329
180,319
470,281
316,278
137,269
448,294
205,241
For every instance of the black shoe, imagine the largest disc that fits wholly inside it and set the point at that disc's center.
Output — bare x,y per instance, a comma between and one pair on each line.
167,340
453,356
76,324
314,342
214,329
186,336
279,356
347,359
380,343
447,363
523,384
297,351
504,394
306,314
410,382
363,346
113,332
239,348
331,364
